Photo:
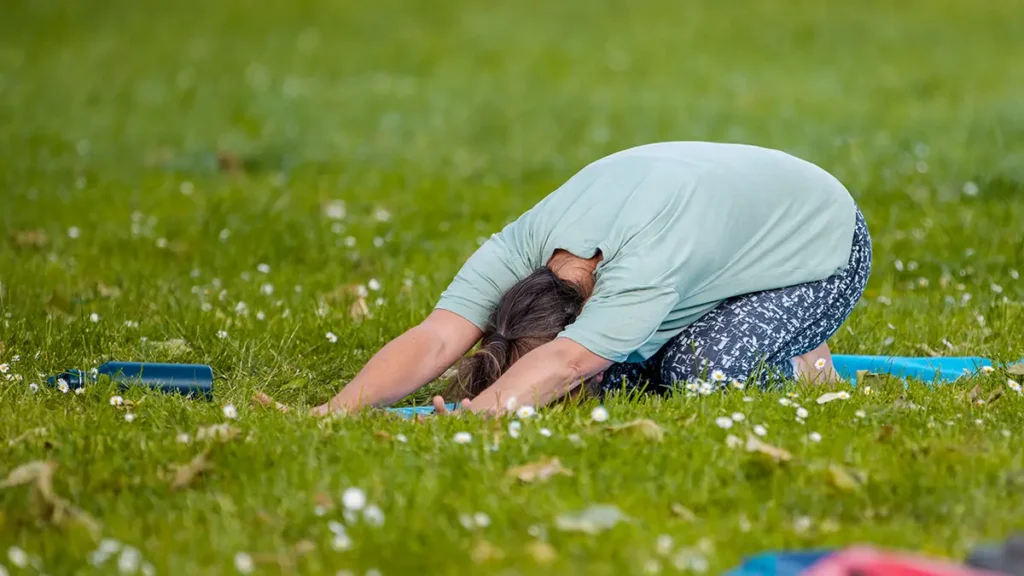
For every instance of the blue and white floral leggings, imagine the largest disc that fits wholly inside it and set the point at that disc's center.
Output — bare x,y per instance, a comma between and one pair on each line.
753,338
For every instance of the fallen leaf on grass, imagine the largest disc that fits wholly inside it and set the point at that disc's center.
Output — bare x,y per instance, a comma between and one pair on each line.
105,291
975,393
484,551
382,435
541,552
39,474
26,435
682,512
885,433
646,428
219,432
539,471
359,309
30,238
754,444
186,473
826,398
1016,369
840,479
592,520
995,395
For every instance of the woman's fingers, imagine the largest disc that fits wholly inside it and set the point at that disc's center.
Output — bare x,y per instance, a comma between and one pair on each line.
264,400
439,407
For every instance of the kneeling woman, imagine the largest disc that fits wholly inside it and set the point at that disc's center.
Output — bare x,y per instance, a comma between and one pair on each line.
663,264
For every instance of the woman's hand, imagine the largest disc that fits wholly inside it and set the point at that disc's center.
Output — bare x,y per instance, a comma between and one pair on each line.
441,409
264,400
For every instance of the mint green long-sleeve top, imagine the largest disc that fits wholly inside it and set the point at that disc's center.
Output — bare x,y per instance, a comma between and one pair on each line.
681,226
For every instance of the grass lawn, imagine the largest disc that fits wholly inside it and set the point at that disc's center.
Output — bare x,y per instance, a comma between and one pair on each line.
206,182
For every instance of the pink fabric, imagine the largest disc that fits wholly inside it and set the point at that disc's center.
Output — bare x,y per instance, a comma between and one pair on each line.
873,562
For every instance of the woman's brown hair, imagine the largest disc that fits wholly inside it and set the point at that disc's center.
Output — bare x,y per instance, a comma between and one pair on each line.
530,313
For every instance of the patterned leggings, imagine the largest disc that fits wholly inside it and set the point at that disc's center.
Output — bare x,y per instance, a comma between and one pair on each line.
754,337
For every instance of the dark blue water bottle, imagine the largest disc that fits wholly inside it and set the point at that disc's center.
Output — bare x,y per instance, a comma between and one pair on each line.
185,379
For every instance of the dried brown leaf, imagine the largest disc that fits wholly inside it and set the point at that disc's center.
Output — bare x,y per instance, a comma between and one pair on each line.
229,162
1016,369
975,393
539,471
188,472
648,429
359,309
382,435
840,479
31,238
105,291
541,552
29,472
483,551
26,435
885,433
39,474
682,512
995,395
755,444
324,500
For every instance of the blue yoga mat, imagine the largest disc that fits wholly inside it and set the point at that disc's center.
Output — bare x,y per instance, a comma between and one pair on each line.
779,563
926,369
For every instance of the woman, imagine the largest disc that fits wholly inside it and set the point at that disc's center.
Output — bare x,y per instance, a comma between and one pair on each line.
678,262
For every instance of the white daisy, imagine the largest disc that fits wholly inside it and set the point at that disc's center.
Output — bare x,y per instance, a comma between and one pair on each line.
462,437
244,563
4,368
74,232
182,438
599,414
525,412
129,417
401,438
331,337
987,369
738,417
481,520
222,334
1014,385
62,385
116,401
514,428
843,395
801,412
17,556
353,499
94,317
724,422
230,411
760,430
737,384
373,515
860,414
545,432
819,363
718,376
373,284
33,388
814,437
263,268
867,390
785,401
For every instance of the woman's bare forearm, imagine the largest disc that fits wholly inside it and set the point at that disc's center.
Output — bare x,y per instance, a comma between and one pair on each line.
399,368
408,362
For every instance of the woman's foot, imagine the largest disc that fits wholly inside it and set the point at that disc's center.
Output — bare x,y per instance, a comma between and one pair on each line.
816,366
